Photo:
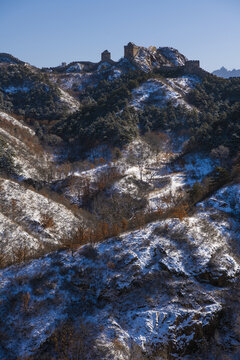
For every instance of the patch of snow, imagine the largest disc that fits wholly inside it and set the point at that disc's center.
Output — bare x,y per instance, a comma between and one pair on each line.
226,199
78,67
15,122
173,56
183,83
27,209
69,100
116,74
158,93
68,80
16,89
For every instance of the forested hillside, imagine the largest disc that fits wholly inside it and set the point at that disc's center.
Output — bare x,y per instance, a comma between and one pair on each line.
119,208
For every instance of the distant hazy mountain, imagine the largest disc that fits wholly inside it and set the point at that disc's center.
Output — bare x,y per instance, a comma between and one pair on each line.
225,73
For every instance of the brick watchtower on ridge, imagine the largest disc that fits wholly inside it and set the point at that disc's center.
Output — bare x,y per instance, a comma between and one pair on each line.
130,51
106,56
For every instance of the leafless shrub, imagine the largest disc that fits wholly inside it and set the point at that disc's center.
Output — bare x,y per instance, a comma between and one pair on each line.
25,302
221,153
69,341
47,221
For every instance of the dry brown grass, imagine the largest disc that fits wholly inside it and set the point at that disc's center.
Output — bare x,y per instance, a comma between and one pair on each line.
47,221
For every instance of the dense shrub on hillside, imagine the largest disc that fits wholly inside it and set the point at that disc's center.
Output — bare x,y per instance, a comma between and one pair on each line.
105,118
29,92
87,130
214,122
101,119
6,159
218,101
216,111
168,117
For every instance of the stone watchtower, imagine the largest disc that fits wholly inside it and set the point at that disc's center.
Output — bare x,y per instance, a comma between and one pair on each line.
130,51
192,65
106,56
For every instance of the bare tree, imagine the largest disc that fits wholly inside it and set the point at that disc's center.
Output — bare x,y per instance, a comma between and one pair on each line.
158,141
221,153
139,155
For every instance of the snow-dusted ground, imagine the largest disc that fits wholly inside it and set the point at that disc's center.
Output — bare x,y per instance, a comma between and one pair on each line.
78,67
23,143
25,210
165,182
81,80
67,99
16,89
174,180
158,287
149,58
173,55
15,122
227,200
155,287
68,80
159,93
183,84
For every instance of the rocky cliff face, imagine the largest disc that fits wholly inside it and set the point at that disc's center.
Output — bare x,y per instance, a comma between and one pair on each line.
149,58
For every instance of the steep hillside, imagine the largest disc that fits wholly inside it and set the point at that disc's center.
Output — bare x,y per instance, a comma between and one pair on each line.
27,91
119,209
7,58
147,293
23,148
31,221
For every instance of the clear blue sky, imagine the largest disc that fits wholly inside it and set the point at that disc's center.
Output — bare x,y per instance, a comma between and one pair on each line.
47,32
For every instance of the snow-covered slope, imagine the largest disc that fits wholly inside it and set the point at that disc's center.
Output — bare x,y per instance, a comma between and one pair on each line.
159,92
173,55
25,86
75,78
27,152
15,122
163,180
227,200
70,101
157,288
31,221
